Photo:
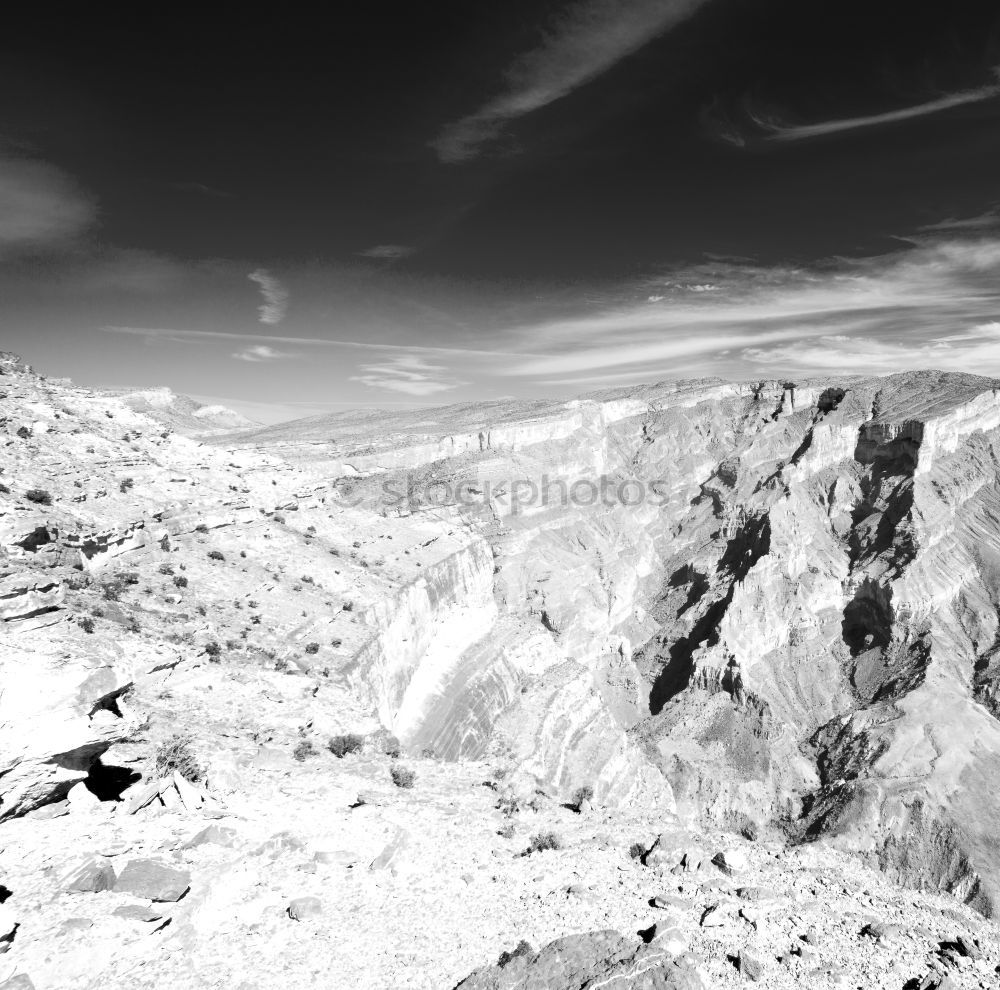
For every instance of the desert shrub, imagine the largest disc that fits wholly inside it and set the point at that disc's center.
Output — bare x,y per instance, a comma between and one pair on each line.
281,663
253,603
312,648
402,777
176,753
202,610
508,805
216,555
348,606
165,543
303,749
336,642
126,485
180,581
4,489
637,850
350,742
86,623
23,432
213,650
97,612
76,583
523,949
255,619
278,518
39,496
129,577
306,579
167,570
201,528
506,831
581,794
296,587
232,644
111,591
133,625
543,841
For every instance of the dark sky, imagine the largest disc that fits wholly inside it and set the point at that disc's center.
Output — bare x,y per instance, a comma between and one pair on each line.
516,198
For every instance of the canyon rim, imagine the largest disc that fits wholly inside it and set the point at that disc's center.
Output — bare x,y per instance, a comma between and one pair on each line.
500,497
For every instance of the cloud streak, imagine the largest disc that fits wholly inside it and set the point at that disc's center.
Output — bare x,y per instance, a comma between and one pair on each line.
272,309
387,252
590,38
261,352
409,374
777,132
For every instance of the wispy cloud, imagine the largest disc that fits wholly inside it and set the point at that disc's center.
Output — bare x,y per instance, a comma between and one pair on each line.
165,333
407,373
589,38
261,352
914,298
780,132
40,206
387,252
272,310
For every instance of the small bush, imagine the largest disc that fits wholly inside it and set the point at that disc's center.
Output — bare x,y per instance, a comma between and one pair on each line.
201,528
523,949
581,794
506,831
403,777
133,625
637,850
278,518
312,648
508,805
213,650
253,603
348,606
176,754
97,612
86,623
39,496
305,579
126,485
112,592
303,750
543,841
23,432
4,489
165,543
202,610
216,555
130,578
180,581
340,746
167,570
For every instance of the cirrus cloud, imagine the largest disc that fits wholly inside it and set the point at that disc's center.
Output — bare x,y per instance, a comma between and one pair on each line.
272,309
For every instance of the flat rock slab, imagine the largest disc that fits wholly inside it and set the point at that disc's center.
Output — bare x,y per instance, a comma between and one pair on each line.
216,835
137,912
153,880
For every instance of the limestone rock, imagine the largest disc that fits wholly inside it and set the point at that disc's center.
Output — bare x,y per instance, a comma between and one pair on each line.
153,880
601,958
91,874
303,908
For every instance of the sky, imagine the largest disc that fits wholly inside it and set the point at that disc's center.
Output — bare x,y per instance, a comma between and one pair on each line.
420,204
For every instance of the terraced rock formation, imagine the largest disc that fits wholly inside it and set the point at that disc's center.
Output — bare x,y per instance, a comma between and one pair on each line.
767,608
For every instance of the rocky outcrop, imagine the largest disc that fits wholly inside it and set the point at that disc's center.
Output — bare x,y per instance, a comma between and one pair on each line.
592,959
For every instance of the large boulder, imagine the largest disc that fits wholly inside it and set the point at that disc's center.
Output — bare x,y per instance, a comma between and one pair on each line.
58,712
593,959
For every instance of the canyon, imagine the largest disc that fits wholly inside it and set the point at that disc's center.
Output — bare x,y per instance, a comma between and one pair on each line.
761,615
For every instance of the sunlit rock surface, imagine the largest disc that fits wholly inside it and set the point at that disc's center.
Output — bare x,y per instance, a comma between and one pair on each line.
769,605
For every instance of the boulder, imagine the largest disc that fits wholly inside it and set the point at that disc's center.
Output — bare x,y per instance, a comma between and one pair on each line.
749,966
153,880
90,875
592,959
217,835
731,862
303,908
8,922
391,857
137,912
57,715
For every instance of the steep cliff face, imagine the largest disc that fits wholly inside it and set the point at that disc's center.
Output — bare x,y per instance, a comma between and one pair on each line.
790,604
765,605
